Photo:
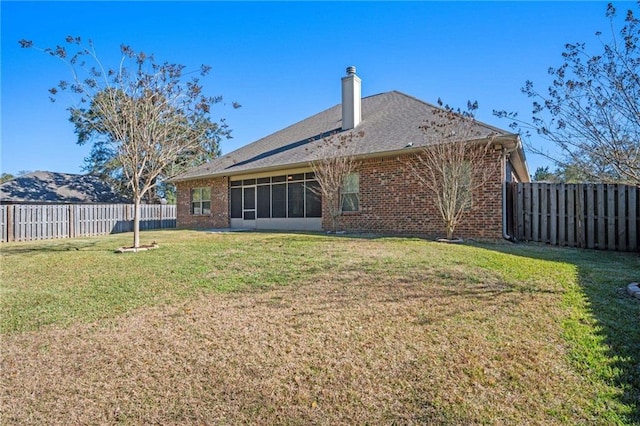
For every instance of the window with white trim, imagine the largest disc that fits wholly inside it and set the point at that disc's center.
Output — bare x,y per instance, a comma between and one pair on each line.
351,193
201,201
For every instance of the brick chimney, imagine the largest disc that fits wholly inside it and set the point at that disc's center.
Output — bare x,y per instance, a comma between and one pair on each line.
351,99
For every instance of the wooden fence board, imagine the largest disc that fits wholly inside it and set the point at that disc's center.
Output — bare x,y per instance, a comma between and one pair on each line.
571,215
611,217
590,216
519,219
580,229
622,218
3,223
535,218
562,214
602,221
46,221
544,214
600,216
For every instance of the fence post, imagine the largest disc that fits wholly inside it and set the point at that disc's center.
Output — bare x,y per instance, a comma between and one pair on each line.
580,215
72,228
10,220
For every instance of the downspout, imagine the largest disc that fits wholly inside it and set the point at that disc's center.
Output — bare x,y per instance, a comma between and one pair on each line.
505,233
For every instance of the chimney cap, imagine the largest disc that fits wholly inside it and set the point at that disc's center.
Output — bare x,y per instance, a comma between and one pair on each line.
351,70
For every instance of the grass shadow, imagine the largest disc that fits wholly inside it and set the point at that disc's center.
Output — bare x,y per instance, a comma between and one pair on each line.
612,314
41,247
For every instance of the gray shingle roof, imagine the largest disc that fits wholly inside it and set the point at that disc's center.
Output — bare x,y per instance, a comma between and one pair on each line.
50,187
390,121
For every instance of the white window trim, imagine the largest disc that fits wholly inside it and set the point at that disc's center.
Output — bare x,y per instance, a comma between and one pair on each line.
201,201
351,176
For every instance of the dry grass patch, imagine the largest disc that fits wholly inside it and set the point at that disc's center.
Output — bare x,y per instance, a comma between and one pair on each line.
388,331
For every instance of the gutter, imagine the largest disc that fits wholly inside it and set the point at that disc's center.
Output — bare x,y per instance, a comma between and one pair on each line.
505,233
511,145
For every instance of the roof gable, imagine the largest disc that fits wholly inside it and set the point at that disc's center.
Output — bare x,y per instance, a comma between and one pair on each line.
390,122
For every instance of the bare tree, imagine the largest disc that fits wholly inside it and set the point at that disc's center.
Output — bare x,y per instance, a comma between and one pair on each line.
149,118
591,111
453,163
336,162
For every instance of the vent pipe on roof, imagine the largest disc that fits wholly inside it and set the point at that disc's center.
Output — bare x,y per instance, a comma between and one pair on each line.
351,99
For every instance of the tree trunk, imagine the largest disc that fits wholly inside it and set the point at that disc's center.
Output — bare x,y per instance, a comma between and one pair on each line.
335,212
136,223
450,231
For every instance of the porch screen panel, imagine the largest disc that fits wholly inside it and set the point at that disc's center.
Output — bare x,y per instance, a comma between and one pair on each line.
249,198
236,203
313,201
294,196
264,201
279,200
296,199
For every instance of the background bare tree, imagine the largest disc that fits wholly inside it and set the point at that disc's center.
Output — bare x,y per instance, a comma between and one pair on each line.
148,120
453,164
591,111
335,164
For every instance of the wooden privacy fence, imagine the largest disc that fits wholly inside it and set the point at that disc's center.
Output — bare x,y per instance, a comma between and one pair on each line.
26,222
596,216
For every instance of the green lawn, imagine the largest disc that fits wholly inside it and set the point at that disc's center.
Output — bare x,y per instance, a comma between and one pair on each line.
278,328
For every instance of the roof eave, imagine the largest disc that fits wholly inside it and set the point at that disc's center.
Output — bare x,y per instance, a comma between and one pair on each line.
509,142
517,158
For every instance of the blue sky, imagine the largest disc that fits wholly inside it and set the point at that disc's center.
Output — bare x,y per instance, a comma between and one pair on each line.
283,61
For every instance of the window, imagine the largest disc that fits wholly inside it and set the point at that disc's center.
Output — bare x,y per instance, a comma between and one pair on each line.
201,201
350,193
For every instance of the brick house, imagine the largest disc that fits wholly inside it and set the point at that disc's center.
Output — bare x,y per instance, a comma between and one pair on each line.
267,184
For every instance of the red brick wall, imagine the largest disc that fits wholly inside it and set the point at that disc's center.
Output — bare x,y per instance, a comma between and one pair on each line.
392,201
219,216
